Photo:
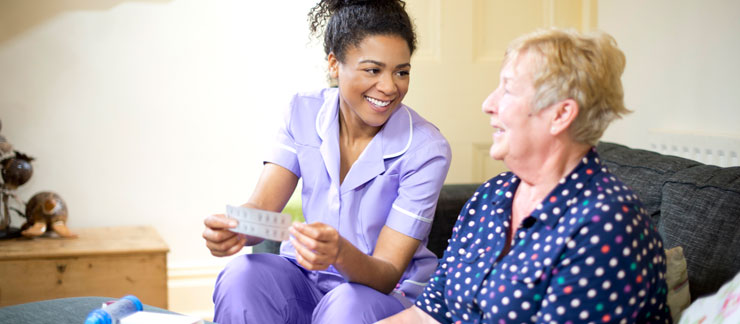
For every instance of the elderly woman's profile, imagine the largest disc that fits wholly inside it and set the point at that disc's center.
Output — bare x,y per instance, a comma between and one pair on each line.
558,238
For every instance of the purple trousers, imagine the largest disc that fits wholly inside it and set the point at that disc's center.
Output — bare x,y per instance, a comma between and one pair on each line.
268,288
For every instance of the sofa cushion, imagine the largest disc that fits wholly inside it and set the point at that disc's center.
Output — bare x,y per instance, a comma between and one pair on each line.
701,213
643,171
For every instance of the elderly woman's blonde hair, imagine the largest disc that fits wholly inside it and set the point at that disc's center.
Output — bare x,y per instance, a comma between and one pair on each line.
585,68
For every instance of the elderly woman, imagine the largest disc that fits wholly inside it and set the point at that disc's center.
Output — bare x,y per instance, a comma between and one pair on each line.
558,239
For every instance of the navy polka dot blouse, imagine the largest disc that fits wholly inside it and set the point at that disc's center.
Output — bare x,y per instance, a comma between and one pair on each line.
588,253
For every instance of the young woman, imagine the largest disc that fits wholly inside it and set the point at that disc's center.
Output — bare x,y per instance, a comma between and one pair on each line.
372,169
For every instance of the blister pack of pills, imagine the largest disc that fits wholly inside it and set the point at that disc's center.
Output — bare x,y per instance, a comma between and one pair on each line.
261,223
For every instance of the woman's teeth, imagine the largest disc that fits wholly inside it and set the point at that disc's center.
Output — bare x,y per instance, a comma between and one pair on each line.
378,102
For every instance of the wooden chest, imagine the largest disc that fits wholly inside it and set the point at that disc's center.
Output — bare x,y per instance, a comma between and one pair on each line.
108,262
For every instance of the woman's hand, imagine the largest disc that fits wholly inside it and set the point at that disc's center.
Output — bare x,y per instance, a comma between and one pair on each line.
317,245
412,314
219,239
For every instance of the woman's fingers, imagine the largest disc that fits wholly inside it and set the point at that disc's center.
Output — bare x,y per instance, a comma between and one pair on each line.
308,258
227,247
219,221
317,245
219,239
317,231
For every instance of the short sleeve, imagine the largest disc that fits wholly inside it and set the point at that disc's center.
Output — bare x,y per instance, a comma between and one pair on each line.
284,152
424,173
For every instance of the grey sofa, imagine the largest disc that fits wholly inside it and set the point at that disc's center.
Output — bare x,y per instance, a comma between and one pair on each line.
694,206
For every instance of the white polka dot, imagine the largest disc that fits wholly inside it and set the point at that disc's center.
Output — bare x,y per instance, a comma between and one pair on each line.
575,303
591,293
583,315
594,239
613,296
525,305
583,282
575,270
590,260
512,315
560,310
608,227
505,300
606,285
599,271
613,262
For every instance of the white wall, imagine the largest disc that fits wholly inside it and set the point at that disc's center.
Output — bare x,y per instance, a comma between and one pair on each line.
682,66
150,112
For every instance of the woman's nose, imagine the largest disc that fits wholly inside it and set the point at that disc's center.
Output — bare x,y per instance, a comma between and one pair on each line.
386,84
490,105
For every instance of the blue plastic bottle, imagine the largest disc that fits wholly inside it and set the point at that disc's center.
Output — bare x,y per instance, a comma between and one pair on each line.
113,313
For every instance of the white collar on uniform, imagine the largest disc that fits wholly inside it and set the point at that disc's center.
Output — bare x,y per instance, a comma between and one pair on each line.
393,140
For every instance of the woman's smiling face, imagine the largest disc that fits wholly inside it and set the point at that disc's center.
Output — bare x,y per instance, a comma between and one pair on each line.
373,79
518,132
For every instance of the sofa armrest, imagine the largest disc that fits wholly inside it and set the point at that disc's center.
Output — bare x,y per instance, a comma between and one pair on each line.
451,200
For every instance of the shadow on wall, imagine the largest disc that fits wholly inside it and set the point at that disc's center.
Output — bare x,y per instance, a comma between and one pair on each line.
17,16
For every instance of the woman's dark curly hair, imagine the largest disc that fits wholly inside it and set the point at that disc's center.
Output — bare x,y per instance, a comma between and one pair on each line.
350,21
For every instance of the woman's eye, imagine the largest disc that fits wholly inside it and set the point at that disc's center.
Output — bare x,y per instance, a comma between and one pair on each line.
372,71
403,73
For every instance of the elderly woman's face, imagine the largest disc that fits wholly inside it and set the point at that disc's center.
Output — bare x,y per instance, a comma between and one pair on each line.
516,128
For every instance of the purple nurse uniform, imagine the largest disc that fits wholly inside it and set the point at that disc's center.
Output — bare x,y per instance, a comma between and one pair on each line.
395,182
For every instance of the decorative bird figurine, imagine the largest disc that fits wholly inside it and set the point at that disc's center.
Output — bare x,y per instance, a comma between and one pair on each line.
16,170
46,211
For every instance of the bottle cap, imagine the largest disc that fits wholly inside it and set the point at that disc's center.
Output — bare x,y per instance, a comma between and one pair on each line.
136,301
98,316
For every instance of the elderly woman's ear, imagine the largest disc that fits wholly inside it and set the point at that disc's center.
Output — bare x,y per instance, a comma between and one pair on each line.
563,115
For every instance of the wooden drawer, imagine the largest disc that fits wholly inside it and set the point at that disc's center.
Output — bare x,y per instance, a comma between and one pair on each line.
110,262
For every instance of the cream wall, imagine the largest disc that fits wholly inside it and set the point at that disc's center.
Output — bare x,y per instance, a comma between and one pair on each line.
682,67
